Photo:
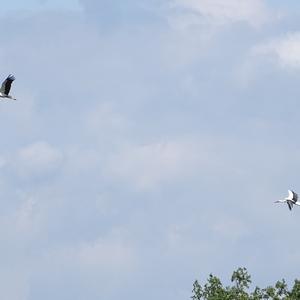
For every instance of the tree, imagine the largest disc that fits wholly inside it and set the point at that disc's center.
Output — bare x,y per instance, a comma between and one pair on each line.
213,289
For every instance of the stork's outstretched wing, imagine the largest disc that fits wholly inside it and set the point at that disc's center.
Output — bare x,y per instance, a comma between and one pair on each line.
6,85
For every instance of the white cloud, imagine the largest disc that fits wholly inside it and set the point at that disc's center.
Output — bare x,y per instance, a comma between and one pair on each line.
39,158
285,50
105,256
104,118
112,254
229,228
146,166
253,12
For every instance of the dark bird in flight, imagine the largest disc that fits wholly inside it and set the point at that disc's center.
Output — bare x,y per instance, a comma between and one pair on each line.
5,87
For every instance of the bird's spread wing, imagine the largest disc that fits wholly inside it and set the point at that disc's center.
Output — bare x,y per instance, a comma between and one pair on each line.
6,85
293,196
290,204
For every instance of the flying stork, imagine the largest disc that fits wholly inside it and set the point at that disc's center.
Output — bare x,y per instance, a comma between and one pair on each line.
5,87
291,200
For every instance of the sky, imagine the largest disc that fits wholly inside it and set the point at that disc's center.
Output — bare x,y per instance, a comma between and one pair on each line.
147,146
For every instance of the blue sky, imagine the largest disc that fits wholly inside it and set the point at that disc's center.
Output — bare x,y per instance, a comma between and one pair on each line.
37,5
147,146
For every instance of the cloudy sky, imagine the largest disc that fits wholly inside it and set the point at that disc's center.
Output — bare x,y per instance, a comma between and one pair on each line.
147,146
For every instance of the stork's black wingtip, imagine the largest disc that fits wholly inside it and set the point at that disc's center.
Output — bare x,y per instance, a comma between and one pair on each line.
11,77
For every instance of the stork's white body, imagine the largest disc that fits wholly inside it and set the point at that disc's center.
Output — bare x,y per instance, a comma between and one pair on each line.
291,199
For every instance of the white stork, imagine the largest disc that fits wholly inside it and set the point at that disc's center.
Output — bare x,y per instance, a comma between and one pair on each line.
5,87
291,200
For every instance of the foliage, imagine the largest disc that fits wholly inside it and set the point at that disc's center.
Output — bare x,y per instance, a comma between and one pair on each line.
213,289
